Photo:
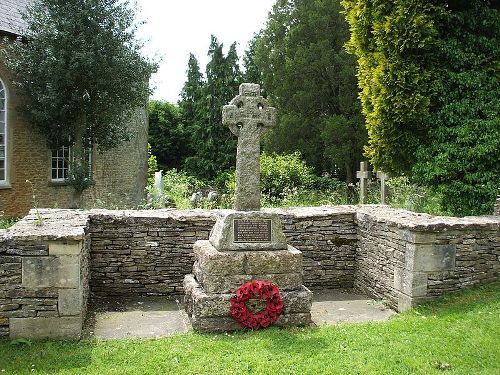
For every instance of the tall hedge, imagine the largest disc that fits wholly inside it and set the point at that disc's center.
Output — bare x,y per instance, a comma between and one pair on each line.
428,71
393,41
461,158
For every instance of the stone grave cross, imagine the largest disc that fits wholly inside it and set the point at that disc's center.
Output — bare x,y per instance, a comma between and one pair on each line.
248,116
363,175
383,193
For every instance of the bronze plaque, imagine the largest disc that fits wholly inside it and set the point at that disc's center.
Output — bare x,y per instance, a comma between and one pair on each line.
255,230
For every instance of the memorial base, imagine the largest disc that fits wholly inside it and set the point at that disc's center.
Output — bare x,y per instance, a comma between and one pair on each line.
244,246
209,312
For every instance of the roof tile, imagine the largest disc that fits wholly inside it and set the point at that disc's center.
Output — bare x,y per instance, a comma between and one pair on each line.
10,16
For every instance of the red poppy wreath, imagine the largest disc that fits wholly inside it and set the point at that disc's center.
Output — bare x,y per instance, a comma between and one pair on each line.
245,305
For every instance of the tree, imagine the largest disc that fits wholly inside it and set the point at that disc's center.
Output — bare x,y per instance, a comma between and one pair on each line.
461,157
214,145
191,93
167,134
252,72
428,71
81,71
394,43
309,77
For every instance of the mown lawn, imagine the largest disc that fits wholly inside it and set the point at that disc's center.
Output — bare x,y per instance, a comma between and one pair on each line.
458,335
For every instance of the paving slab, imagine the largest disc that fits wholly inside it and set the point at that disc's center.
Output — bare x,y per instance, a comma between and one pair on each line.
142,317
139,317
334,306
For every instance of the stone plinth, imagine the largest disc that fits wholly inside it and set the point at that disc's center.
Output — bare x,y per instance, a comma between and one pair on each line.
224,272
210,311
244,246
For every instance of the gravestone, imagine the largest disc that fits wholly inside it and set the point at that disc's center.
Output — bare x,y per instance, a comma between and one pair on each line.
246,244
195,199
383,193
363,175
157,197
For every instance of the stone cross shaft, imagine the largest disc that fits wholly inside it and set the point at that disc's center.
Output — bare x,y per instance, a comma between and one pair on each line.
248,116
363,175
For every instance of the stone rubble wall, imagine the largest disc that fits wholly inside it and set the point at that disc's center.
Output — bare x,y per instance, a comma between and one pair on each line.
406,258
150,252
144,252
44,275
327,238
48,270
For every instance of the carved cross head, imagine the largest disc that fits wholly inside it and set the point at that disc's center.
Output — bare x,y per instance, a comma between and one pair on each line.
248,110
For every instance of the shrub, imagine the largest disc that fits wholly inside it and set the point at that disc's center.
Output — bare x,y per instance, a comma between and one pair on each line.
178,186
403,194
281,175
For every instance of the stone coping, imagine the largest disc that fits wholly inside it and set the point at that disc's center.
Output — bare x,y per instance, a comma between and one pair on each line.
71,224
425,222
166,213
50,224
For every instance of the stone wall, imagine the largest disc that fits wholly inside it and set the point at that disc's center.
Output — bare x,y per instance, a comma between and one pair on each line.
150,252
44,276
327,239
395,255
406,258
144,252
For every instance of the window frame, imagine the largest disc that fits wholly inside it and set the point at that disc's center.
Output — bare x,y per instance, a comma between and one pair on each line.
67,158
5,181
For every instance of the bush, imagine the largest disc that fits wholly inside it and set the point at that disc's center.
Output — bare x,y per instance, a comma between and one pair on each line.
287,181
412,197
178,186
282,175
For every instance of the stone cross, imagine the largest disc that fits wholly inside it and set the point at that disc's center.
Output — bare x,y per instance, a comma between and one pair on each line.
383,194
248,116
363,175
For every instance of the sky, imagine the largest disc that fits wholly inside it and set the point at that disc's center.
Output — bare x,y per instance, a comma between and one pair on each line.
176,28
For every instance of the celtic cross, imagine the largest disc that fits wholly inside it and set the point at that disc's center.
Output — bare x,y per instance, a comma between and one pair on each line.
248,116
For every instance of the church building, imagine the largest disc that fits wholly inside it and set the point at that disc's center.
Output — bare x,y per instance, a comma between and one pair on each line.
33,175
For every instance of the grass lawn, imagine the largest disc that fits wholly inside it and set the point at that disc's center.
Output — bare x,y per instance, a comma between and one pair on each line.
458,335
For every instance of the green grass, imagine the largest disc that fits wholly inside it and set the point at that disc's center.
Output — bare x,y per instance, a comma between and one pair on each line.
6,222
458,335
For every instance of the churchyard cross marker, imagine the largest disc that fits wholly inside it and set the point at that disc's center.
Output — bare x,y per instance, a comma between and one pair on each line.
363,175
248,116
383,194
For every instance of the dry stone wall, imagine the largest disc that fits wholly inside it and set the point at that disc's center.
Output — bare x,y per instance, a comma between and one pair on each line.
47,271
150,252
406,258
144,252
327,238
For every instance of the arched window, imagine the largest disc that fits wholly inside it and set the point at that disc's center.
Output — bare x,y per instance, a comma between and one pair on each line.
3,134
